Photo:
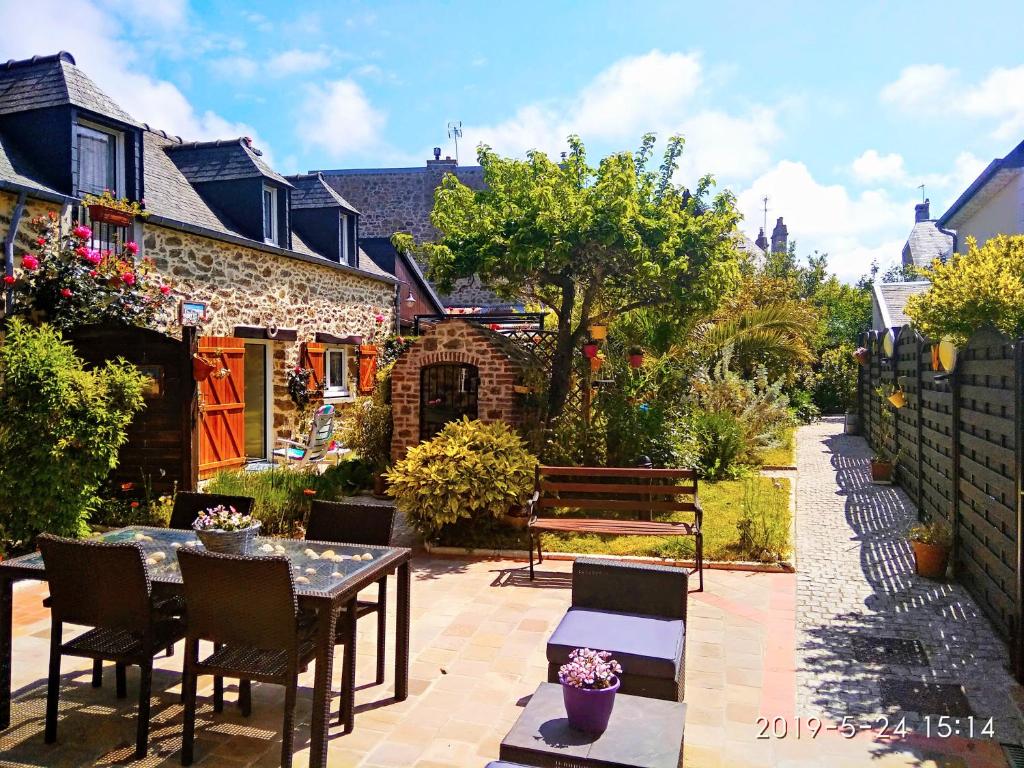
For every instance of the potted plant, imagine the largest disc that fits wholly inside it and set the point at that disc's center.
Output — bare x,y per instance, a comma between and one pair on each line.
636,357
589,683
224,529
598,332
107,209
931,543
596,362
590,350
862,355
883,462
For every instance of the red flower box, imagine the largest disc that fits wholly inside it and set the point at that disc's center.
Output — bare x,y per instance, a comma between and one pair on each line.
106,215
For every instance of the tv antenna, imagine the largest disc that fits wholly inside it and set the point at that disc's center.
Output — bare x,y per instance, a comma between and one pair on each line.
921,187
764,201
455,132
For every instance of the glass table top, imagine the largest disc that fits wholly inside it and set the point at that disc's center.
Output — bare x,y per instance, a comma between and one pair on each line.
316,566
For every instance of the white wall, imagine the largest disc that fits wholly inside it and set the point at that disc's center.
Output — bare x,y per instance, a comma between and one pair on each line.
1003,214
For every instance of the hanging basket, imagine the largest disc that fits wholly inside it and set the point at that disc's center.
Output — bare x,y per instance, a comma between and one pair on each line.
590,351
598,332
106,215
863,356
595,364
636,360
202,368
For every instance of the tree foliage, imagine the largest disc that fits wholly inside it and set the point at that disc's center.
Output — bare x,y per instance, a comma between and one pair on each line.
61,431
590,244
984,286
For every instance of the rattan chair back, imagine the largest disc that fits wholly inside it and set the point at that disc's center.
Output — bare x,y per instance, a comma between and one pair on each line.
97,584
351,523
234,599
188,505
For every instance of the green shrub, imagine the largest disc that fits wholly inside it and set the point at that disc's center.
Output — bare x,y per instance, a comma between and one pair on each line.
764,522
366,428
803,407
282,496
835,382
469,470
719,438
61,430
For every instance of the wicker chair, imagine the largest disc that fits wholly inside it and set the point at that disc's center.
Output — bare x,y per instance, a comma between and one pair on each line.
188,505
246,607
106,587
353,523
638,612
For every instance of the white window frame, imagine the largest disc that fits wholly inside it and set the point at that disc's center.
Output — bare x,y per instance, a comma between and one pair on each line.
346,392
345,257
119,159
272,238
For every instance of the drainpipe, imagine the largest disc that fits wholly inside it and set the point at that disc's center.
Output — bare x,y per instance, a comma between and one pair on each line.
12,235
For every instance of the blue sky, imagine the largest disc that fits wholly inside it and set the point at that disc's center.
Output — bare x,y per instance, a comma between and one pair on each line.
835,111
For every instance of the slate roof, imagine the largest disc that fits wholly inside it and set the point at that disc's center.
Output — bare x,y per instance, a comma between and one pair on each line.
926,243
995,176
222,160
891,301
311,191
16,172
52,81
745,245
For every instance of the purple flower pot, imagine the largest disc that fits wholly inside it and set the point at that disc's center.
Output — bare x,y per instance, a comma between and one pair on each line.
588,709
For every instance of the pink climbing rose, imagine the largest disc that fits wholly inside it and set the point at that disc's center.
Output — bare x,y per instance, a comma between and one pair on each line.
128,278
29,261
65,292
379,319
132,247
10,279
165,289
82,232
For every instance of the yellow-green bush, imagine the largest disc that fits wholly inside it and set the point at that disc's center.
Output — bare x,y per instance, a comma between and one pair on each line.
469,470
984,286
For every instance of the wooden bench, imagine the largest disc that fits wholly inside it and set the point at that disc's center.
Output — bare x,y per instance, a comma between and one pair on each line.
614,489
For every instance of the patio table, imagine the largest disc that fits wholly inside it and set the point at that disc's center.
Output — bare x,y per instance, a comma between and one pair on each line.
327,585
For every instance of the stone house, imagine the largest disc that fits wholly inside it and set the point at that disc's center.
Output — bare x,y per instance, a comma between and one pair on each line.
274,259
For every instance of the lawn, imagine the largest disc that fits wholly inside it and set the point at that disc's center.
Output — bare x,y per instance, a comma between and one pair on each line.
723,508
784,454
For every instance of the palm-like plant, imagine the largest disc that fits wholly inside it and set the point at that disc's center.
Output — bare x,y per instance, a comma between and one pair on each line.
776,336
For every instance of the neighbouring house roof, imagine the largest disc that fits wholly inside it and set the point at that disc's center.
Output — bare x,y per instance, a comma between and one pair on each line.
745,245
311,191
927,242
381,252
17,174
173,202
890,300
996,175
52,81
222,160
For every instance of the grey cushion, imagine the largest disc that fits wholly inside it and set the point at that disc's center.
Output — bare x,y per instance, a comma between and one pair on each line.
503,764
643,645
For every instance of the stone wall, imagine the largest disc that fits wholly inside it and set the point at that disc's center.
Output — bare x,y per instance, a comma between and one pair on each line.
26,237
456,341
246,286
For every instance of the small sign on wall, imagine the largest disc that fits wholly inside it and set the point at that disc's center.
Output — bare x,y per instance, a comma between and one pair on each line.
193,312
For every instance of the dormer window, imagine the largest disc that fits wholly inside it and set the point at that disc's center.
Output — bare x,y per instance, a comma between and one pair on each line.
270,215
100,154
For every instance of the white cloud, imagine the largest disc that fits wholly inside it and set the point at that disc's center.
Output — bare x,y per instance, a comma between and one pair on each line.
91,32
657,92
871,167
933,89
338,119
258,20
296,61
235,67
852,229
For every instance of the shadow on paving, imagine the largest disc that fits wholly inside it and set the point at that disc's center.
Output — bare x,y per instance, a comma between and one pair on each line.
912,647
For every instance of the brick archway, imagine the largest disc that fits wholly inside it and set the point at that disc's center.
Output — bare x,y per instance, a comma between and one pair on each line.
462,342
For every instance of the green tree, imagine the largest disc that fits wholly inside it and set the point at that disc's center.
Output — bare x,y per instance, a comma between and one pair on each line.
590,244
60,433
984,286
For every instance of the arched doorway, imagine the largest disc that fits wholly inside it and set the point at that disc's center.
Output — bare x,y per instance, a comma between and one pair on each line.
448,391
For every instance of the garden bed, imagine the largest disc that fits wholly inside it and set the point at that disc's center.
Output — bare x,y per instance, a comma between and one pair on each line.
723,508
784,454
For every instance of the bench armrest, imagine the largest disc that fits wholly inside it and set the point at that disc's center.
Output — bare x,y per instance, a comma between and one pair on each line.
698,513
649,590
531,504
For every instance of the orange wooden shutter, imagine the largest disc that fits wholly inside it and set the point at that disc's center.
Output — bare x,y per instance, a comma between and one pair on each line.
313,357
367,368
222,405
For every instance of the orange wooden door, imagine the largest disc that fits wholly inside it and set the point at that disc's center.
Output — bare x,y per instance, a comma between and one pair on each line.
222,405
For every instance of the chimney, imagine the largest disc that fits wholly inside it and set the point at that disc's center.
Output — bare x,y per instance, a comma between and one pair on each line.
780,237
437,153
762,241
922,212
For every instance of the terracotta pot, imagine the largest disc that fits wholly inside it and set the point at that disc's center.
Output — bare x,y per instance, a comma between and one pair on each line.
595,364
862,355
380,486
590,351
930,560
202,368
881,471
636,361
598,332
104,215
898,398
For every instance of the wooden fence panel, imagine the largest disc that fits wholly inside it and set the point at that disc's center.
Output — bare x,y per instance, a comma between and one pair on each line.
906,365
987,531
936,421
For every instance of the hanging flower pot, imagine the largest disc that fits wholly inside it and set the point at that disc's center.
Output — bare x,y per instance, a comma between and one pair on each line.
202,368
590,351
898,398
947,354
595,364
862,355
598,332
636,357
106,215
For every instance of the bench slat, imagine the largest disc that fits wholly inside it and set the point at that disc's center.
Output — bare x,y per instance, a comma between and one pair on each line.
616,472
612,527
633,505
654,489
